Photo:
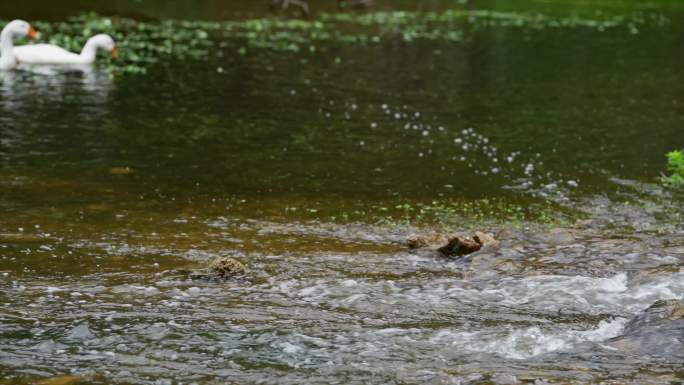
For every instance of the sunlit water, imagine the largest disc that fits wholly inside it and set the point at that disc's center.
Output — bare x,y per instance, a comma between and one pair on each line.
295,163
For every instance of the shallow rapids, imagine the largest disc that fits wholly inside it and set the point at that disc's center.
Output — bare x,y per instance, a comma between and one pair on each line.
361,316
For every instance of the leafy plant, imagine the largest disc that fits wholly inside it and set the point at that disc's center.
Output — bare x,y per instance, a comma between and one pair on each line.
675,164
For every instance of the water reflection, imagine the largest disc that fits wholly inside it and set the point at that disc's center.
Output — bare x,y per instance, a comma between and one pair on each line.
31,84
35,91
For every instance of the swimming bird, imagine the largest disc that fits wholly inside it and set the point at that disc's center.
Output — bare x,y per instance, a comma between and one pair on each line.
53,54
12,31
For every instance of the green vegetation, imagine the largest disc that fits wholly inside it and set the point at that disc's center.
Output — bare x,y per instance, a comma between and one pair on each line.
142,44
675,165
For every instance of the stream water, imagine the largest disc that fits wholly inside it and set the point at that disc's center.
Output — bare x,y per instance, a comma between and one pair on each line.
311,166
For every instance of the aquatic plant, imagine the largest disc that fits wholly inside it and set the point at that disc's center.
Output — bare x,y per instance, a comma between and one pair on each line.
675,165
144,43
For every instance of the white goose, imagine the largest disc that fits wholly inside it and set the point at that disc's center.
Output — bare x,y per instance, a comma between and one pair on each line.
13,30
52,54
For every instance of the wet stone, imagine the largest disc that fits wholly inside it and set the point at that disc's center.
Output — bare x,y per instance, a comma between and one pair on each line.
505,379
220,268
62,380
80,333
561,236
426,241
679,250
657,331
456,246
660,312
485,239
20,238
120,170
585,224
46,347
225,267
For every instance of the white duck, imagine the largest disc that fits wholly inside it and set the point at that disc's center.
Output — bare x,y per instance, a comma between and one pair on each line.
13,30
52,54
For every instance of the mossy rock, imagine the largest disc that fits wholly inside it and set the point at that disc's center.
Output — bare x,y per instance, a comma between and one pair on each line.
226,267
219,268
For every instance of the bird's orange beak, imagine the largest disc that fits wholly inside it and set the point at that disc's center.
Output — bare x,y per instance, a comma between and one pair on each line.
115,53
32,33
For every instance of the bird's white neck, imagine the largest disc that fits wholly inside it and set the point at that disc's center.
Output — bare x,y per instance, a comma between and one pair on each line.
7,58
89,51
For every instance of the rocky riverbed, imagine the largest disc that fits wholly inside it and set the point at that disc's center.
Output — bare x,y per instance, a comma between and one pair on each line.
565,305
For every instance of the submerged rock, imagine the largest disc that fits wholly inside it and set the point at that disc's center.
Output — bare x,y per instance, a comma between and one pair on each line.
585,224
452,246
505,379
561,236
120,170
221,268
226,267
62,380
485,239
426,241
660,312
459,247
20,238
657,331
80,333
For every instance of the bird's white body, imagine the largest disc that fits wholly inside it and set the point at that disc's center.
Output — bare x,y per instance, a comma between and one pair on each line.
52,54
46,54
13,30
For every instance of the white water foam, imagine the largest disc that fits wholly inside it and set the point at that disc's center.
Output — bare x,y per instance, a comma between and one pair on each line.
590,295
528,342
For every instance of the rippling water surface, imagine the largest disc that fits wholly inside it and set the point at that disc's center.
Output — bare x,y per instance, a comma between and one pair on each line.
312,166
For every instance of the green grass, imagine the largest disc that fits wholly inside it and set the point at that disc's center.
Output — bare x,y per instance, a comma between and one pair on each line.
675,165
